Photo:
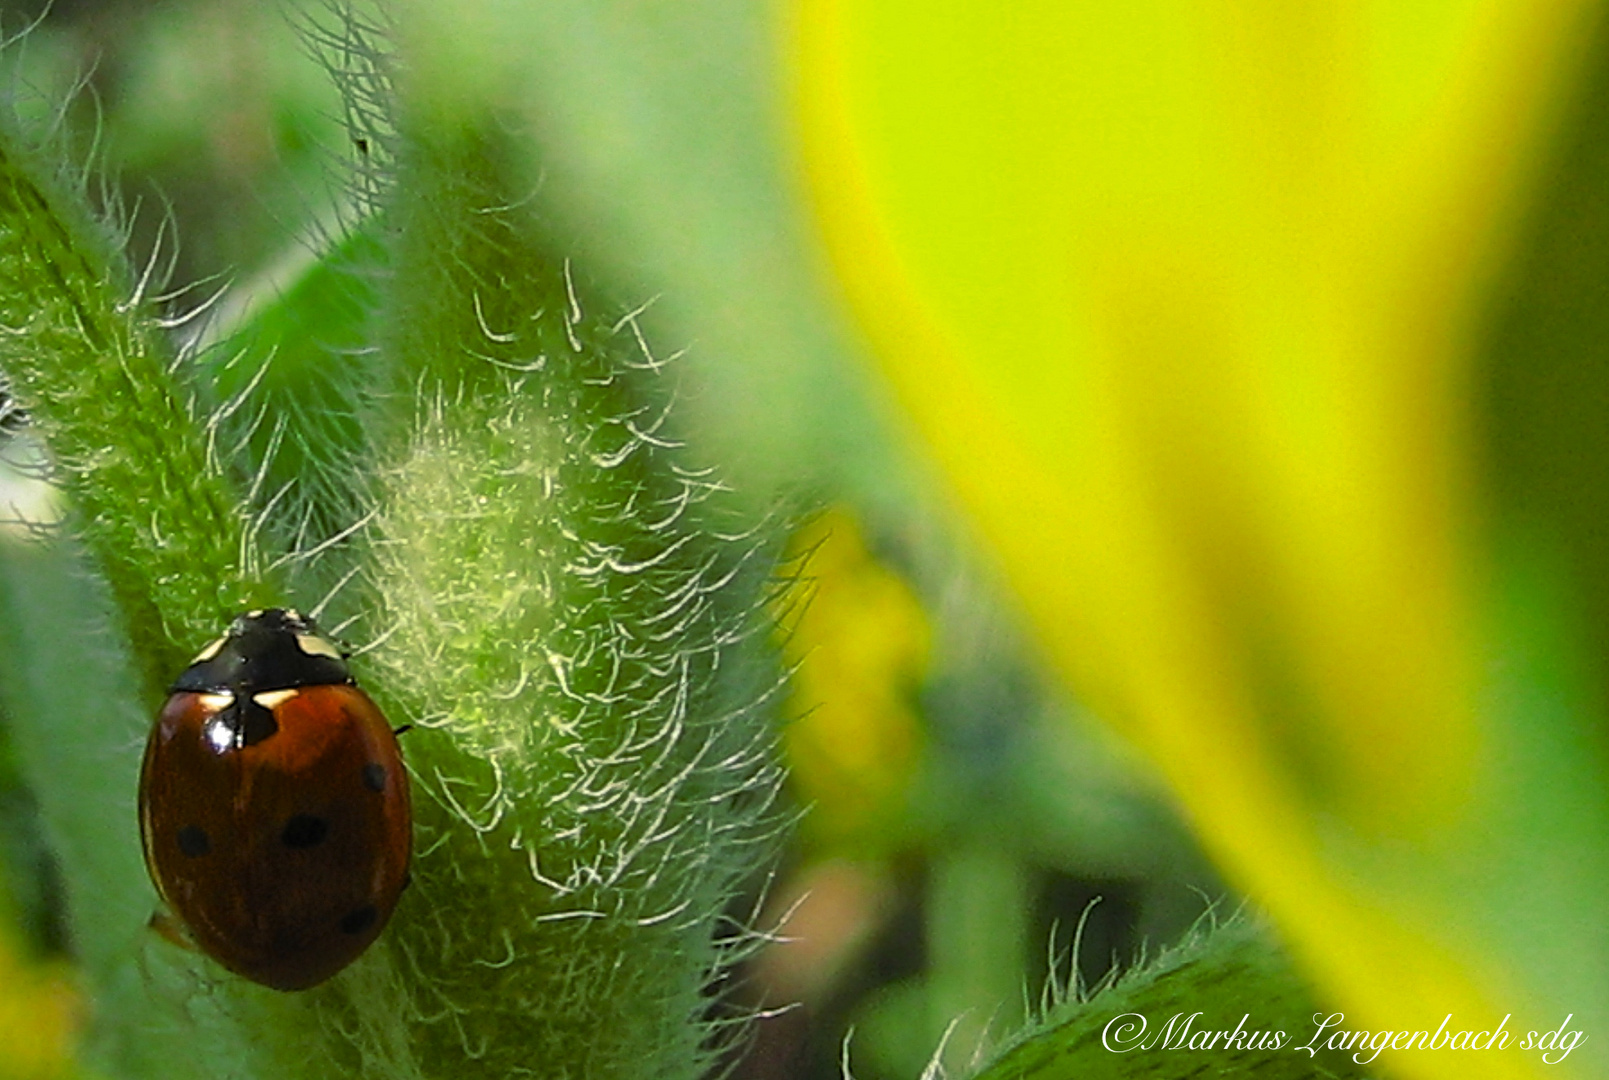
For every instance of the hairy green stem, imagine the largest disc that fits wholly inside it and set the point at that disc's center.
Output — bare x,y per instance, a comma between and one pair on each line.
81,351
558,617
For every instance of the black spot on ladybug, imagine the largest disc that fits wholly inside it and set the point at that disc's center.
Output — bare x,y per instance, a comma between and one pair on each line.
374,776
304,831
193,841
355,922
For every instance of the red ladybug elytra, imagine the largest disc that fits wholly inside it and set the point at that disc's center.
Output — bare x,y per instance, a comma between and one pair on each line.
274,805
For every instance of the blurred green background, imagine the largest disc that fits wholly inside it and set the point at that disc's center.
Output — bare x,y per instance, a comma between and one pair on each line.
960,830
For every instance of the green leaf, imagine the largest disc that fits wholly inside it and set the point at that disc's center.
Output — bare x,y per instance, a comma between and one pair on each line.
1224,1002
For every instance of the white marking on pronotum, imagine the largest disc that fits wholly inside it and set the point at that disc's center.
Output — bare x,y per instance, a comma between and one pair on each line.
218,702
313,645
273,699
209,651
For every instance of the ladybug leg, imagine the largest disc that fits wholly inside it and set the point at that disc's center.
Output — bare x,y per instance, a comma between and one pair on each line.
171,930
404,729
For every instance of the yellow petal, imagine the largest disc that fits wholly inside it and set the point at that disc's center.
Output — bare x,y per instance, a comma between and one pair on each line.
1181,298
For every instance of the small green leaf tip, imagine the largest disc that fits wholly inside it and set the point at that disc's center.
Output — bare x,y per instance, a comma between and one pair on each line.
1224,1002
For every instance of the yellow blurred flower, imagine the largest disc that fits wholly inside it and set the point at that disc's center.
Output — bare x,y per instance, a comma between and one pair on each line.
38,1008
1183,298
858,642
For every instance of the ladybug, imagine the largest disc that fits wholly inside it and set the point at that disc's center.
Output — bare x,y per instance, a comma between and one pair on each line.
274,806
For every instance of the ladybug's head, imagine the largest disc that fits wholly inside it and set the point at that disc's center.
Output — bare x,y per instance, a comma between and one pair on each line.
271,649
274,620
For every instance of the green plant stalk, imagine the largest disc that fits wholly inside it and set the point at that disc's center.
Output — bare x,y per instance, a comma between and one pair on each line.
557,618
1207,984
82,351
977,905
